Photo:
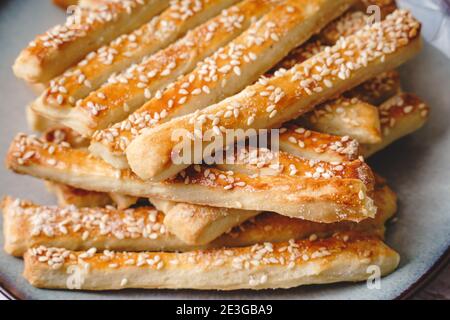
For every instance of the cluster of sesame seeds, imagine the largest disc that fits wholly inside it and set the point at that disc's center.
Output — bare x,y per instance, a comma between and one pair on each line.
89,223
54,257
25,146
319,142
334,108
355,52
399,107
83,21
347,25
211,176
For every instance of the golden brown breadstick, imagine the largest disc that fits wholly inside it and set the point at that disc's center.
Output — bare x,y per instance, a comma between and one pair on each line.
341,258
327,196
400,116
345,117
308,144
350,62
27,225
358,17
84,31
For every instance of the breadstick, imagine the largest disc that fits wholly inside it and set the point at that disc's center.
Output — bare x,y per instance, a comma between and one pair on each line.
85,31
27,225
346,117
323,198
129,90
285,265
281,163
400,116
95,69
227,72
201,224
368,52
308,144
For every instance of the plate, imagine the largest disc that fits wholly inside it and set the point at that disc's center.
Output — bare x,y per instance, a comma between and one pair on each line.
417,167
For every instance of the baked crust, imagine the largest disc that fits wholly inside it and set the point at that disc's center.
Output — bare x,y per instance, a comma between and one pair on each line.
378,89
267,266
95,69
267,163
88,29
200,225
400,116
295,92
329,197
38,123
226,72
27,225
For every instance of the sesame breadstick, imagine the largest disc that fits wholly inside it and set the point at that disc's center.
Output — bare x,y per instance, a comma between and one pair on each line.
327,198
400,116
27,225
345,117
271,102
309,144
85,31
95,69
227,72
290,264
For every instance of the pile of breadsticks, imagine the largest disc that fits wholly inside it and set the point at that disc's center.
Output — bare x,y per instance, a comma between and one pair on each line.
119,79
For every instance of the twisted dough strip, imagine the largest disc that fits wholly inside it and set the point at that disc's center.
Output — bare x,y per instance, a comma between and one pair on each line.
317,194
85,31
344,257
95,69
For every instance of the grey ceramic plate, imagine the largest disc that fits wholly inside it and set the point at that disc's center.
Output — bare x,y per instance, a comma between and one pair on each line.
417,167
